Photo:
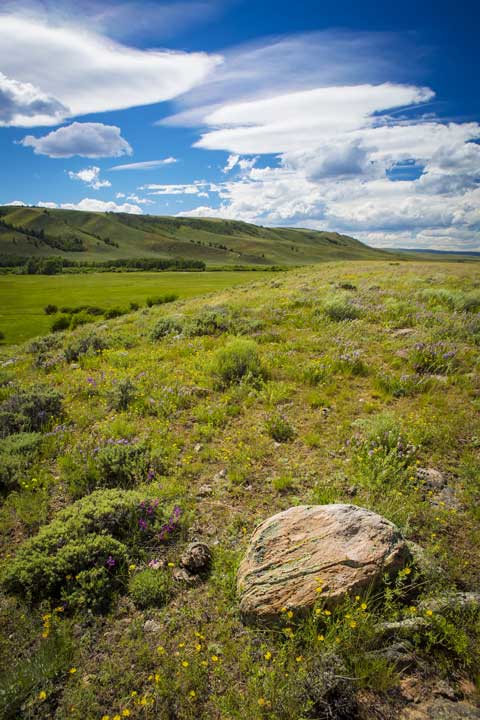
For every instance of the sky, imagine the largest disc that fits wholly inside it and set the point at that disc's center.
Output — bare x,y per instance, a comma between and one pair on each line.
352,116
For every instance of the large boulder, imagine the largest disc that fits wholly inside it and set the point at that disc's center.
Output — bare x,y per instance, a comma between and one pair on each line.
316,552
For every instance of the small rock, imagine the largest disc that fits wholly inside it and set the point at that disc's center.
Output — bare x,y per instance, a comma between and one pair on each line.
403,332
399,654
196,558
453,601
197,447
431,479
440,709
152,626
205,491
182,575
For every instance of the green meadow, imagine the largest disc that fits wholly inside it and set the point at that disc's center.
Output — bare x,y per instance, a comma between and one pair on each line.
124,440
24,297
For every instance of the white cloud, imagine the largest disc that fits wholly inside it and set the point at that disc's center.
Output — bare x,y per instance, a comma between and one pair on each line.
146,165
180,189
232,160
86,139
140,201
79,71
340,123
20,100
94,205
17,203
91,177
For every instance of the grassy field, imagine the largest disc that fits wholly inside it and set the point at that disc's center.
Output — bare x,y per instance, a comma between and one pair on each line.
23,297
349,382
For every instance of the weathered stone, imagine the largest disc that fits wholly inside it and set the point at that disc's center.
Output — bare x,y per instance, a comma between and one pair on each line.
205,491
441,709
152,626
343,549
196,558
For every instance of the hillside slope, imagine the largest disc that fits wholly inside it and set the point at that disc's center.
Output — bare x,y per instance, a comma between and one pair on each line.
78,235
123,441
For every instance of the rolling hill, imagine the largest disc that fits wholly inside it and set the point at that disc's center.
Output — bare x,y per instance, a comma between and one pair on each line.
93,236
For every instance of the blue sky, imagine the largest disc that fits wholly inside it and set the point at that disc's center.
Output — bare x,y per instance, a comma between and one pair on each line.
359,117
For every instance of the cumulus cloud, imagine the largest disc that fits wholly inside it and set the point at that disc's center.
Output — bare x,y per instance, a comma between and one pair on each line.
146,164
17,203
77,71
86,139
94,205
91,177
20,100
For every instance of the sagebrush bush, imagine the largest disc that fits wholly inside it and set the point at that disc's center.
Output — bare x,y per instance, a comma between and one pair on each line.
121,395
29,410
166,326
17,452
88,344
81,556
212,321
119,464
150,588
340,308
382,456
238,360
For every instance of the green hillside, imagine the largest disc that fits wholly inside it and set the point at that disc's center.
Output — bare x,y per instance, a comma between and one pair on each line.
87,236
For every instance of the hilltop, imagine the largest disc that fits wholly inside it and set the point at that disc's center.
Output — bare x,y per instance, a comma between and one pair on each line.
95,236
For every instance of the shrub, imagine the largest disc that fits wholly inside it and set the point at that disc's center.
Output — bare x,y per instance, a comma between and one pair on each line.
350,363
91,344
340,308
17,453
162,299
61,323
212,321
81,318
383,457
2,336
134,306
115,312
150,588
238,360
121,395
50,309
164,327
122,465
81,556
279,428
29,410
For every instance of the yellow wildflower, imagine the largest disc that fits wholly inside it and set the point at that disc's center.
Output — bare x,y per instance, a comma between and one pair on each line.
72,671
126,712
268,655
42,695
261,701
429,613
185,663
353,624
192,694
327,613
299,658
320,638
214,658
363,606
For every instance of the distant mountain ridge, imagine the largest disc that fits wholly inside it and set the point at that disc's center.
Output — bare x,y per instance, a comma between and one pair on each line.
94,236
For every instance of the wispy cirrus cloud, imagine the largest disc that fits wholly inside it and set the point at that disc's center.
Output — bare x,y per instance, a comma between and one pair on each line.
75,71
146,164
